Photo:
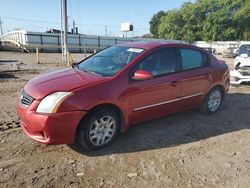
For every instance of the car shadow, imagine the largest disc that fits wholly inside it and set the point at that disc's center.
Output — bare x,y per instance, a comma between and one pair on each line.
181,128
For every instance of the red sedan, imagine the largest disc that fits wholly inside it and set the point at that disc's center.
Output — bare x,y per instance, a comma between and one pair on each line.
105,94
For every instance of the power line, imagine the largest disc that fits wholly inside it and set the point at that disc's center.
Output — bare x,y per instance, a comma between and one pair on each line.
41,21
29,20
85,27
58,23
106,30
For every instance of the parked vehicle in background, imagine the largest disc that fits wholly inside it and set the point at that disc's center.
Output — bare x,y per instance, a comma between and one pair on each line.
241,72
210,50
243,57
103,95
231,52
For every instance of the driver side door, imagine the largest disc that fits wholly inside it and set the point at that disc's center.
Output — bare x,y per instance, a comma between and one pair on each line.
161,94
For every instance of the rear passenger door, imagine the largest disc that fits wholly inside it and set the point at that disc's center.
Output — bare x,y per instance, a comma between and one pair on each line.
195,77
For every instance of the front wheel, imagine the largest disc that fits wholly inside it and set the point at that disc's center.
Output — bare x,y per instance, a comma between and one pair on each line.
213,101
98,130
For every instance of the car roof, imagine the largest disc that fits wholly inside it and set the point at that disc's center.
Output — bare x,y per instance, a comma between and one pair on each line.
245,46
155,44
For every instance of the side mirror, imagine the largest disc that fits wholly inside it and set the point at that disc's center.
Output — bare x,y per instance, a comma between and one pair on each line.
142,75
244,55
73,64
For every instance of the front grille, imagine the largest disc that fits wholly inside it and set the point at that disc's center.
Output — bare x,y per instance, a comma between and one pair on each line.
25,99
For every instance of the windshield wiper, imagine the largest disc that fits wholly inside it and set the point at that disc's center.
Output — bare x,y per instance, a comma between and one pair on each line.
98,74
92,72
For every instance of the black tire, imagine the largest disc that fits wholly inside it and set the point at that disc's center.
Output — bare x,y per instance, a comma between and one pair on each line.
206,106
87,141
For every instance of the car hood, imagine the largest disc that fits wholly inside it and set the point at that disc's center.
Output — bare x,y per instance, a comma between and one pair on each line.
243,61
62,80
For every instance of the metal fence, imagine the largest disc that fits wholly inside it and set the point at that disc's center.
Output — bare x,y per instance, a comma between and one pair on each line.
51,42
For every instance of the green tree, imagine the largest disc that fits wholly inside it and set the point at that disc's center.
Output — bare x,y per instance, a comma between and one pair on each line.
242,22
171,30
155,22
209,20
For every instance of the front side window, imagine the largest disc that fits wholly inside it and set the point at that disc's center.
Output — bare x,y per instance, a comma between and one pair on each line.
192,59
161,62
109,61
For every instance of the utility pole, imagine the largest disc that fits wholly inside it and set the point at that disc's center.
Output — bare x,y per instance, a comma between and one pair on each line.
1,22
62,44
65,32
74,27
106,30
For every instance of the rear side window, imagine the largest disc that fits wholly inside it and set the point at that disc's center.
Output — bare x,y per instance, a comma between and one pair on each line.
192,59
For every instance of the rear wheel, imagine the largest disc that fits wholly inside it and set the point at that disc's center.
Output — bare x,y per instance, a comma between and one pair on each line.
99,129
213,101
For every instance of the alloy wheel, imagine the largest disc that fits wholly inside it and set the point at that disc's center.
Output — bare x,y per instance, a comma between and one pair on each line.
214,100
102,130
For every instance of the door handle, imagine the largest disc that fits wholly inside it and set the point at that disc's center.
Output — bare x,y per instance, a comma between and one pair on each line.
173,84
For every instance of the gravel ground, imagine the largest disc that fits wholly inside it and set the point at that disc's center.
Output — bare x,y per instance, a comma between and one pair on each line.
186,149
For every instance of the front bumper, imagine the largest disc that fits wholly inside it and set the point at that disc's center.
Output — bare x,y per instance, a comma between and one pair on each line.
236,78
57,128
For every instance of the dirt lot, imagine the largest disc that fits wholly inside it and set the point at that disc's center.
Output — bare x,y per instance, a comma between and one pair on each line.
187,149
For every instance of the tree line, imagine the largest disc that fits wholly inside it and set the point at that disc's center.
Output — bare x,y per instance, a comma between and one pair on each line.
207,20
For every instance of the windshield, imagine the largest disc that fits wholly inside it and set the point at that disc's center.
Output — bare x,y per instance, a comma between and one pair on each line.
109,61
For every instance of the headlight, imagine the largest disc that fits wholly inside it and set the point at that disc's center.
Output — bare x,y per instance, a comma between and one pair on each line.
51,103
